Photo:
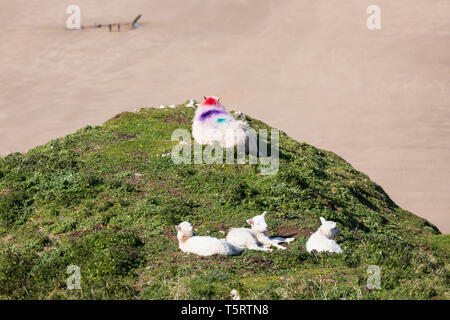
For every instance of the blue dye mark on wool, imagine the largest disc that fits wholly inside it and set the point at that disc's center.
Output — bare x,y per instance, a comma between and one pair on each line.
207,114
220,120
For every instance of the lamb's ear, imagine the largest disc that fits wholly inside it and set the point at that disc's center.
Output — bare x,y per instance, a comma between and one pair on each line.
205,97
264,214
322,219
250,221
178,228
218,99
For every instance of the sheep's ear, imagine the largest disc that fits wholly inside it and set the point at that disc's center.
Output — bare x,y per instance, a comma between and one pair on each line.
264,214
178,228
204,97
218,99
322,219
250,221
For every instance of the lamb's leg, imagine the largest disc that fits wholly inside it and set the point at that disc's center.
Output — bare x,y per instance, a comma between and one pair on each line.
256,247
281,239
267,242
276,245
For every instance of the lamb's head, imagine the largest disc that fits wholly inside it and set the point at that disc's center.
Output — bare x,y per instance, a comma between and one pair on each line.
184,231
328,228
212,101
258,223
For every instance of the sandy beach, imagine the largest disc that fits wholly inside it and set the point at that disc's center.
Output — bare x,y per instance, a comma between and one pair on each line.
378,98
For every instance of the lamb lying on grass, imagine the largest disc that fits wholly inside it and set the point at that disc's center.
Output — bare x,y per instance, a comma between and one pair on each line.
257,237
322,241
213,123
203,246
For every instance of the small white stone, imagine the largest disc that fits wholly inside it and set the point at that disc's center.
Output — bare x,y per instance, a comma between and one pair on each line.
235,295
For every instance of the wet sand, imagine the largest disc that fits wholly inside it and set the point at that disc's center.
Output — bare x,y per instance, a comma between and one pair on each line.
380,99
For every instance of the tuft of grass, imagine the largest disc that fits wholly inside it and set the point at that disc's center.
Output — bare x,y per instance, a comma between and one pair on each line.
106,199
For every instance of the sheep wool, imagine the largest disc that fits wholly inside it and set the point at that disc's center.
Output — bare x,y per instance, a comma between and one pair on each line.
201,245
213,123
322,239
257,237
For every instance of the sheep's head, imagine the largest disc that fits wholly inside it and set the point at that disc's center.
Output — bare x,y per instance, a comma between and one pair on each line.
184,231
212,101
258,223
328,228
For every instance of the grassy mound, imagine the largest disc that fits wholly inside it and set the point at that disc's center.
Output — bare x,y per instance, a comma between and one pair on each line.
107,199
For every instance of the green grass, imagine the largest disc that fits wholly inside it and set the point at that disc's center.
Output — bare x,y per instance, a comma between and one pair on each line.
105,199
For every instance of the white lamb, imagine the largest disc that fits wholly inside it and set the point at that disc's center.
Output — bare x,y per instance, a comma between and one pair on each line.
322,239
212,122
203,246
257,237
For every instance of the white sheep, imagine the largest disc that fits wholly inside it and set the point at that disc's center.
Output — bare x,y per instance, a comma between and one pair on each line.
257,237
322,239
213,123
203,246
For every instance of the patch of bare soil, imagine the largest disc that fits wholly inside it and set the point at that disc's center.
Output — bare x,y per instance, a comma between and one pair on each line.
287,231
178,117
